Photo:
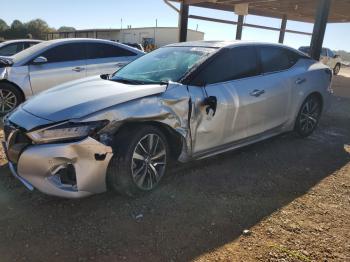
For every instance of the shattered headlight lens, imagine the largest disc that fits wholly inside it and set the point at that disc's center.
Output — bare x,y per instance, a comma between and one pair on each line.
66,131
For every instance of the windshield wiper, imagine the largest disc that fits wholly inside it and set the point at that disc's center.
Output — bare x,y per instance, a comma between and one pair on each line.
138,82
127,81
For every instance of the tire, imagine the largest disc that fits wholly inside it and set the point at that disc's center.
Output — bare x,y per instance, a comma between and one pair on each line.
10,98
135,167
336,69
308,116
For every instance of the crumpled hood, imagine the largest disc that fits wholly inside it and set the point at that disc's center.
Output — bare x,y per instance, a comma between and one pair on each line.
82,97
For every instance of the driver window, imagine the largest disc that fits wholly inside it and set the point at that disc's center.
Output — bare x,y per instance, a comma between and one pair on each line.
230,64
65,52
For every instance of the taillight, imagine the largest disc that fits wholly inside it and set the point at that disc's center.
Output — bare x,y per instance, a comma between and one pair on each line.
329,72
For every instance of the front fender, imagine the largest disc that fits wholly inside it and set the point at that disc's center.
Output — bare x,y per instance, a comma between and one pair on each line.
170,108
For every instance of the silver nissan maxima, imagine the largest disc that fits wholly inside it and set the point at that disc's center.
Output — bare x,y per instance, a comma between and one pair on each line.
184,101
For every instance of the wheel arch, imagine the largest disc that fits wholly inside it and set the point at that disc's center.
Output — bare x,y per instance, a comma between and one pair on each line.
5,81
174,139
318,95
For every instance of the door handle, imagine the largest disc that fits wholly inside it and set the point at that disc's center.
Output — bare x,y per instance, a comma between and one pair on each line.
299,81
257,92
78,69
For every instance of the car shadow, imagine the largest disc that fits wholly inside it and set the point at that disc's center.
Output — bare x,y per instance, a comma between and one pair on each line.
198,208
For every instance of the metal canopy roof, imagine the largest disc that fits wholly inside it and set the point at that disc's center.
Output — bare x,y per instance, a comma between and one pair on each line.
298,10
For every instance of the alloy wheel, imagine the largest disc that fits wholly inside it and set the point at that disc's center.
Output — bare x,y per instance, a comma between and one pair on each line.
148,162
8,101
310,114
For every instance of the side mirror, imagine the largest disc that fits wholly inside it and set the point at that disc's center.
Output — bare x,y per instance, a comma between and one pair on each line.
40,60
336,56
211,103
105,76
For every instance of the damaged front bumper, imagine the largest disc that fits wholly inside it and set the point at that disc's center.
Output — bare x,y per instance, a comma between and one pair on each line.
71,170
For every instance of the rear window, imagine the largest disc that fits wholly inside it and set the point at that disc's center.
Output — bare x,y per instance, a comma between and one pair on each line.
274,59
305,50
102,50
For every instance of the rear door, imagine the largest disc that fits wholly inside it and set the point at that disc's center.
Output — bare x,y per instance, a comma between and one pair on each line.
104,58
65,62
276,84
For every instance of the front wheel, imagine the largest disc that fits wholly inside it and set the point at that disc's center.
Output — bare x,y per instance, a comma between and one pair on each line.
10,98
140,161
309,116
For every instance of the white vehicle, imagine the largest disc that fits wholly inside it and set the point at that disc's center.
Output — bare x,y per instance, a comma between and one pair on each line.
57,61
327,57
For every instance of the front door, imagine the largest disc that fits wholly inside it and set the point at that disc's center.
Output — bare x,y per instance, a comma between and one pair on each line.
65,62
230,78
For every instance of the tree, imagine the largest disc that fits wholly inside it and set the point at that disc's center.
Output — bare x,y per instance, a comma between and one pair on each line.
17,25
66,29
3,26
17,30
37,28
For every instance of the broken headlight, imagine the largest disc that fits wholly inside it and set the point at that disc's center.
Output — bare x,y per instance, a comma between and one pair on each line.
66,131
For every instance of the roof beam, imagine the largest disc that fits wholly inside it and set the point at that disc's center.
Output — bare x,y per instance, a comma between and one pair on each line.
297,10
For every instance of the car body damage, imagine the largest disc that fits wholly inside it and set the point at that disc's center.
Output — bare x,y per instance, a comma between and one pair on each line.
67,170
170,108
43,165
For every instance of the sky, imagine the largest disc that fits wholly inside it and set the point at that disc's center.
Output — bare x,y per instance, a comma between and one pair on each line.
87,14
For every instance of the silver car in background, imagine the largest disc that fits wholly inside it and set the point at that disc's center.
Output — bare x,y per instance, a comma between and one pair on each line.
57,61
184,101
12,47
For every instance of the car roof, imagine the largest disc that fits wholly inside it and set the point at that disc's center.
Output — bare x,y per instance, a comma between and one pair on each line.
21,40
23,56
72,40
222,44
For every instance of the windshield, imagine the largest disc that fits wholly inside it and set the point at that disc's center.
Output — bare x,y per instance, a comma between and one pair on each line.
162,65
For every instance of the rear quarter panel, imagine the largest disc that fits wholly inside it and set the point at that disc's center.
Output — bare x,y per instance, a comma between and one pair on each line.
317,80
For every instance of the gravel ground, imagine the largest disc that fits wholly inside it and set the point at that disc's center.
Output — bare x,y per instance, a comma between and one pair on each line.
290,197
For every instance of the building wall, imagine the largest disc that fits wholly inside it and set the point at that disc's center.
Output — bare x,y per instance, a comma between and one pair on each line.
160,36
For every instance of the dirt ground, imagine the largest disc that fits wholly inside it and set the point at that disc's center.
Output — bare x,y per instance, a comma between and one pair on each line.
292,194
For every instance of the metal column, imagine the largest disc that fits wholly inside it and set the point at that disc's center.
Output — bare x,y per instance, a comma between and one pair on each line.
283,29
239,27
183,22
319,28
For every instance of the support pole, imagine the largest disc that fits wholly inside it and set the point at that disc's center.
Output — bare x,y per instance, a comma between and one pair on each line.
319,30
283,29
183,22
239,27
